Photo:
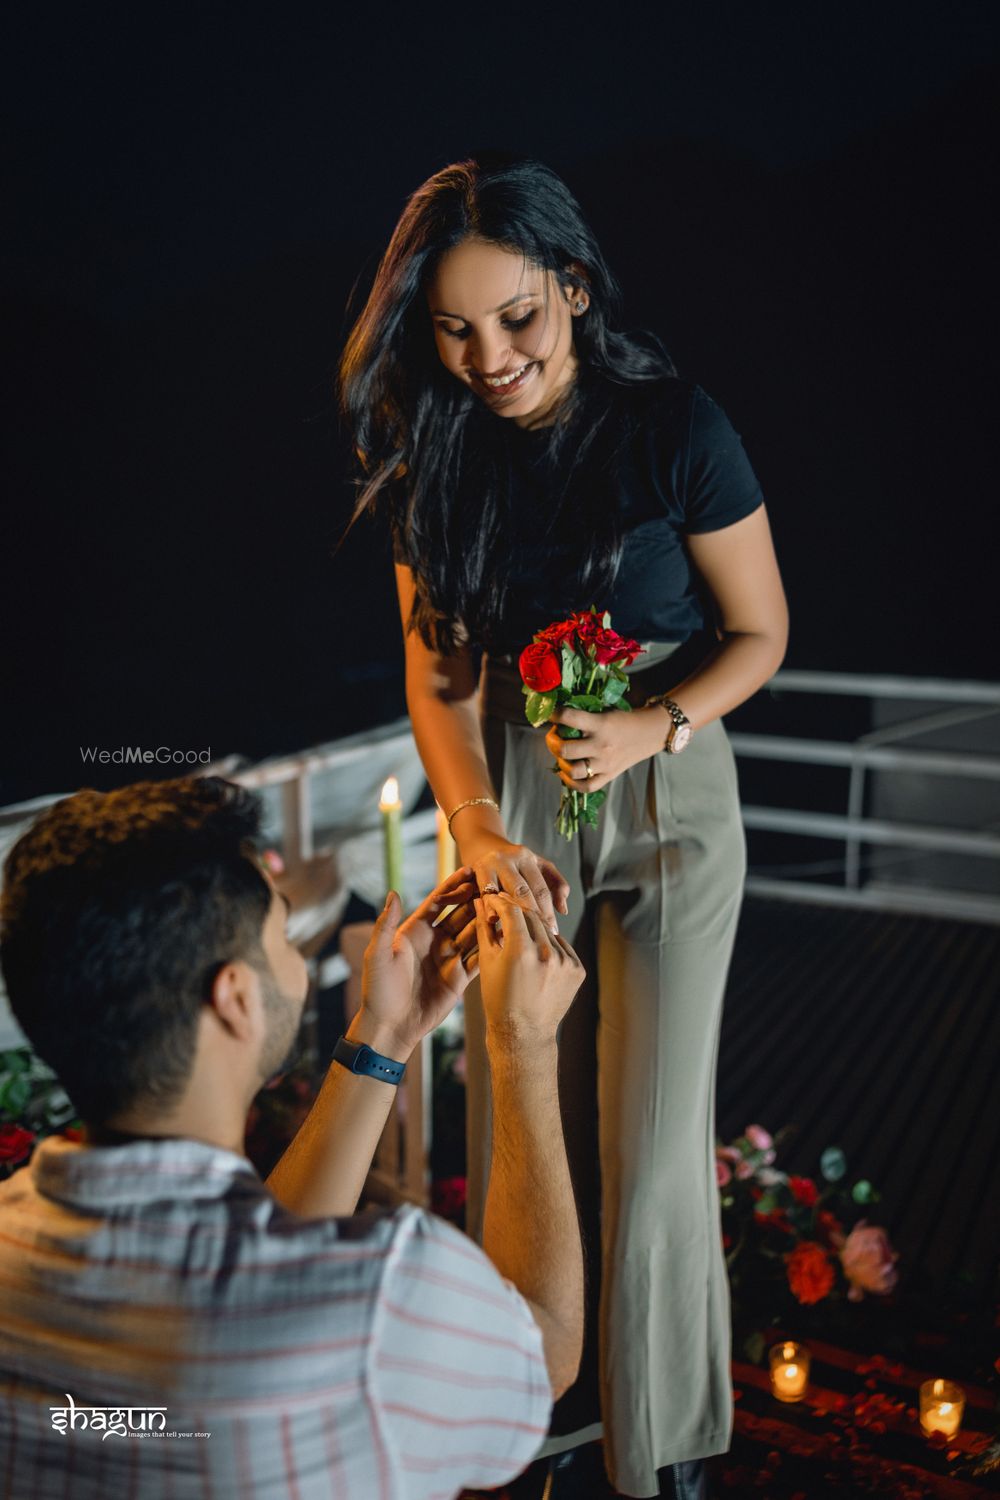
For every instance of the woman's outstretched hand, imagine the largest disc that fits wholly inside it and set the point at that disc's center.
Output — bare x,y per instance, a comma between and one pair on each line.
533,882
609,743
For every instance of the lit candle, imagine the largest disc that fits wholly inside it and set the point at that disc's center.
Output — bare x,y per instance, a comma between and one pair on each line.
392,817
789,1371
942,1403
446,853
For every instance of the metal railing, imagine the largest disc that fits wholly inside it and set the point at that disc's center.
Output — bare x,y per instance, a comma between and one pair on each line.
878,751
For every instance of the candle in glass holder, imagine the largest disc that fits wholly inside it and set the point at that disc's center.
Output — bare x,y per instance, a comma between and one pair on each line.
392,817
942,1403
789,1371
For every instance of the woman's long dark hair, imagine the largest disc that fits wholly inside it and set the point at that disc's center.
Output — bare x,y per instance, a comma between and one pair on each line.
431,453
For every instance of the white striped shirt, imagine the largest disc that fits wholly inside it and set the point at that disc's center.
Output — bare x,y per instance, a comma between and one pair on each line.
381,1357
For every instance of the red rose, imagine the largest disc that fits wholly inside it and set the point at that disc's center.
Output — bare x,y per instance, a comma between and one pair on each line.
562,630
610,647
803,1190
448,1196
810,1272
776,1219
587,625
15,1143
541,668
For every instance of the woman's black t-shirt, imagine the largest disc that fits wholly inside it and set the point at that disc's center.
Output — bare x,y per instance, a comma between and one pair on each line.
685,472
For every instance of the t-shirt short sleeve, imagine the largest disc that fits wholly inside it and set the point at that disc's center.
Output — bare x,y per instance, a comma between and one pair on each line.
720,487
460,1368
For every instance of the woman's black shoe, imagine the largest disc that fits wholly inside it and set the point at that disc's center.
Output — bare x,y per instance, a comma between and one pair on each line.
684,1481
579,1474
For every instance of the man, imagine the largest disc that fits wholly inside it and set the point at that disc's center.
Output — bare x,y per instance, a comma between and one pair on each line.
290,1351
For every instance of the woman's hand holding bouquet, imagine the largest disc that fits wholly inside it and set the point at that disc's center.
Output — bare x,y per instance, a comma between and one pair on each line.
574,676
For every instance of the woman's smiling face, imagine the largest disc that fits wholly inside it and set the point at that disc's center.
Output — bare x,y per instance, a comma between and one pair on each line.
504,327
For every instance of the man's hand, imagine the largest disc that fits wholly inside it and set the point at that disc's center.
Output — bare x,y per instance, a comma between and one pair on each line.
529,975
415,973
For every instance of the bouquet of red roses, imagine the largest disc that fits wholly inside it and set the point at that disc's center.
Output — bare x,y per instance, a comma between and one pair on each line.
576,663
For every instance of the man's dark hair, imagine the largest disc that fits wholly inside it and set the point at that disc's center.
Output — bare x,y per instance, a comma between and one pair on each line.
118,910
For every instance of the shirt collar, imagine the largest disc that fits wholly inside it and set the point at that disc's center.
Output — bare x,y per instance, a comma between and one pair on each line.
100,1177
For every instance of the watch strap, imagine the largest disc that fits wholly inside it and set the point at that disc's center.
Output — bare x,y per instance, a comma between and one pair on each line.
360,1058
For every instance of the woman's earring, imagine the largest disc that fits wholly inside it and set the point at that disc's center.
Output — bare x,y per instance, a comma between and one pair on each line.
581,307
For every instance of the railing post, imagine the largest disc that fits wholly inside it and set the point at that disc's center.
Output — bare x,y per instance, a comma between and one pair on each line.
855,809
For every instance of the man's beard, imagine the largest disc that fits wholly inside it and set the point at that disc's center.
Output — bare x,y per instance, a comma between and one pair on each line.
284,1043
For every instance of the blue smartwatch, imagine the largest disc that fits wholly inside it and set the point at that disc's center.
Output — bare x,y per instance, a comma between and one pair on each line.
362,1059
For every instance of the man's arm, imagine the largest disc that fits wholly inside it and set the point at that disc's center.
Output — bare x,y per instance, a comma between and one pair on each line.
414,975
532,1231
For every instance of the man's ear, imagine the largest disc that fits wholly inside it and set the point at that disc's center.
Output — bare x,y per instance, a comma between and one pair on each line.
234,1000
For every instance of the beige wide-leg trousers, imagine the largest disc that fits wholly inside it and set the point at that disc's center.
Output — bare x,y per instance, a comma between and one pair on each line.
656,891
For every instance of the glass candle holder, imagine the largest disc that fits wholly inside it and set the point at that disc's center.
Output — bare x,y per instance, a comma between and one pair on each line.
789,1371
942,1404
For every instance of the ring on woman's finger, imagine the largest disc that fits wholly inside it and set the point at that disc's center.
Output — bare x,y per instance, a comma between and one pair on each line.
491,889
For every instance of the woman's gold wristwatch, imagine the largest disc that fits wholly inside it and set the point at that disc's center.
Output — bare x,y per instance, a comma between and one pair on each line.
680,732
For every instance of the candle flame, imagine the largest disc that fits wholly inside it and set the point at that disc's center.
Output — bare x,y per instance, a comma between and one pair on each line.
789,1351
390,793
939,1387
791,1371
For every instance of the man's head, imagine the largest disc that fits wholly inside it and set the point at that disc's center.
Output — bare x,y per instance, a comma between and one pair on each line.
139,933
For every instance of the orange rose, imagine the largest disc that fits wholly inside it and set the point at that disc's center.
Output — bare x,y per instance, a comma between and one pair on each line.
810,1272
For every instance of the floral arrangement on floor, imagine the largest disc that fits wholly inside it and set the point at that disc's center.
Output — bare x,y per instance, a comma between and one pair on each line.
804,1238
33,1104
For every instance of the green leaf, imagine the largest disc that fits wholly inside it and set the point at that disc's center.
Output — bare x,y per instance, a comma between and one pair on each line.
570,668
613,692
589,702
606,620
833,1164
538,707
863,1192
14,1096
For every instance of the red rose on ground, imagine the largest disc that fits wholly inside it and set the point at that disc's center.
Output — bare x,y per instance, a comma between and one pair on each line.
776,1219
803,1190
15,1143
831,1227
540,667
448,1196
810,1272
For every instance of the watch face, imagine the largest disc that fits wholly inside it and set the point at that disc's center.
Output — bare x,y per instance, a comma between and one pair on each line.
680,738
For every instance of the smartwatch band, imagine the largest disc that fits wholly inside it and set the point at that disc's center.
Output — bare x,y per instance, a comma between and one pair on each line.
363,1059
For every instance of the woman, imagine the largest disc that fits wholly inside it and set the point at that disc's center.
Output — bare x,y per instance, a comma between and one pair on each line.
534,460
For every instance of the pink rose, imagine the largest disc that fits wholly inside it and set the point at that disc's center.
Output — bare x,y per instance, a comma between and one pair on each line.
759,1138
732,1154
723,1172
869,1262
744,1170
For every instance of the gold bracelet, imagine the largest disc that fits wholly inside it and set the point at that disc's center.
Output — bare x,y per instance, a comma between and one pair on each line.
472,802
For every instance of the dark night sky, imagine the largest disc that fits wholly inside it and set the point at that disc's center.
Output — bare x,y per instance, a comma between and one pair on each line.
795,196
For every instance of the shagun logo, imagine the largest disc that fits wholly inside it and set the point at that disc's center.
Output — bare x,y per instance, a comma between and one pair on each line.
116,1421
111,1421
